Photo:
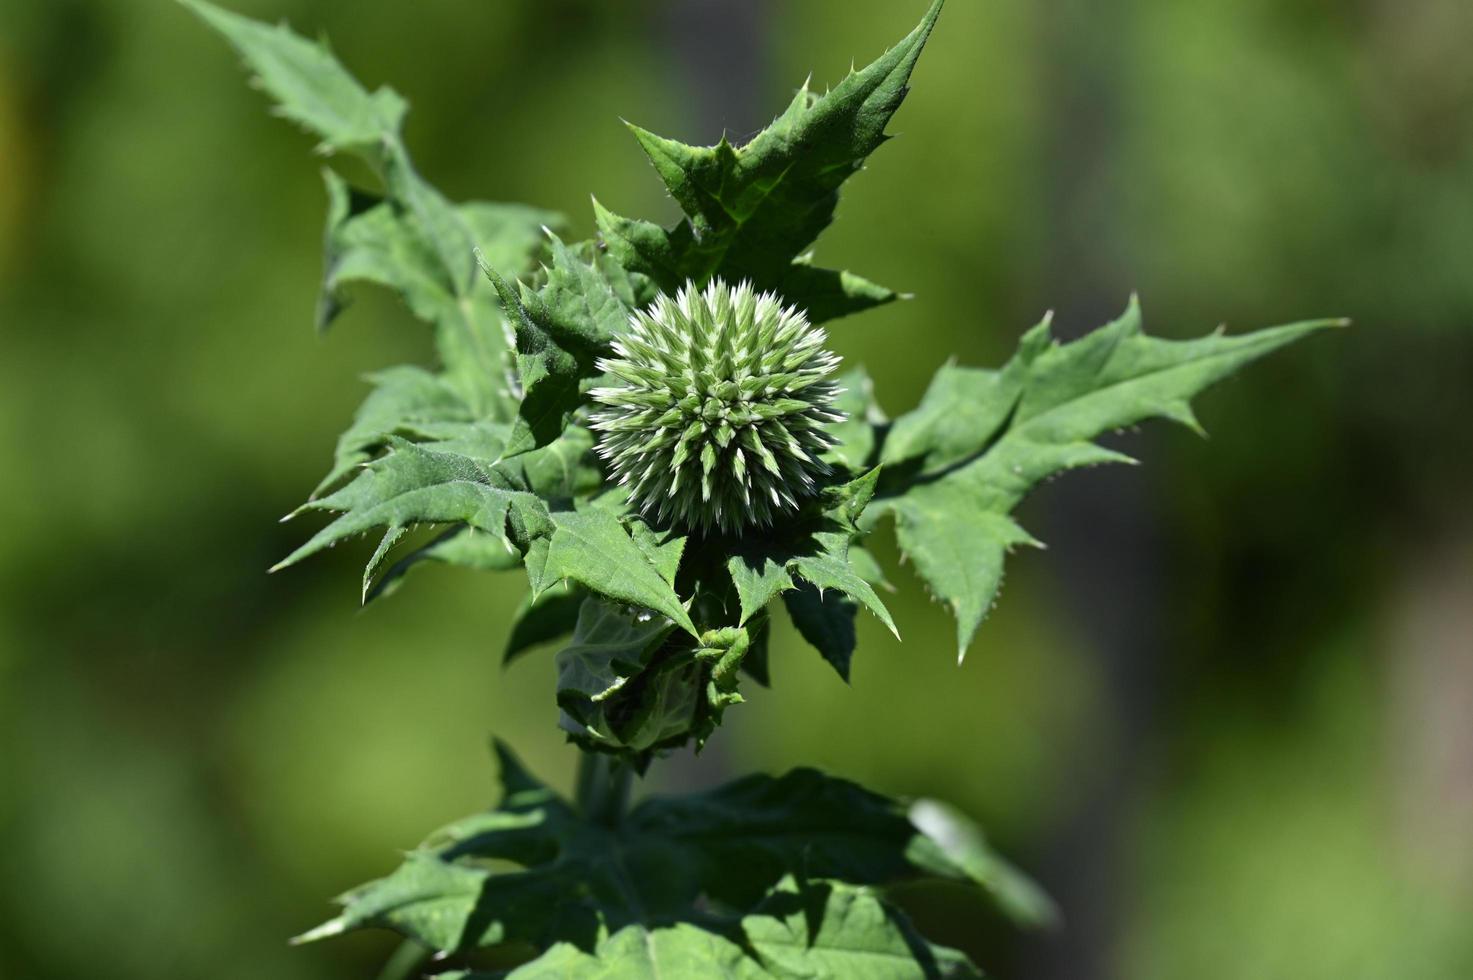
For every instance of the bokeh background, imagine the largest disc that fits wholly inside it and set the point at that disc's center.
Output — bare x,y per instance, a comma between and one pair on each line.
1227,718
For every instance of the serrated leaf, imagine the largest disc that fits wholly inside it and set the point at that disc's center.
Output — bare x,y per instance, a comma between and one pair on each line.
832,929
463,547
575,879
738,844
826,621
309,86
743,837
981,440
638,953
609,647
406,401
413,485
813,549
961,412
560,330
752,211
386,244
856,436
664,549
542,619
591,547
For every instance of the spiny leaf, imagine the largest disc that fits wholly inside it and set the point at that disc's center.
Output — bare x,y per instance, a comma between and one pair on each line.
813,548
636,952
591,547
743,845
834,929
310,87
753,211
856,436
406,401
980,440
609,647
559,330
385,243
542,619
413,485
744,836
826,621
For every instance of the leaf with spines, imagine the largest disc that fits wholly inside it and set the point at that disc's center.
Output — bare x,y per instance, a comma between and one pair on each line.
623,689
740,845
980,440
753,211
411,239
560,330
813,554
826,621
415,484
542,619
810,928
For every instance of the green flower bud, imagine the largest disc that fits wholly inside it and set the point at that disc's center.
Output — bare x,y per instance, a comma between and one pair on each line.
716,414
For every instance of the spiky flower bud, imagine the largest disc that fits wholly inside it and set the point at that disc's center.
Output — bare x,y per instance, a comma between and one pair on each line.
717,412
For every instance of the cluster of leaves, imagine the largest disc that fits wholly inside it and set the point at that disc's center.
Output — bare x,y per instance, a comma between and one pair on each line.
492,456
493,451
762,877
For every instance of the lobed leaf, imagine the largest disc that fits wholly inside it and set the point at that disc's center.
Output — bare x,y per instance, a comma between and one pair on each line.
764,852
834,929
980,440
752,211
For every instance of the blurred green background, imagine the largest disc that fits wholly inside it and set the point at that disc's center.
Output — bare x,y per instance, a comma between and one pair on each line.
1227,718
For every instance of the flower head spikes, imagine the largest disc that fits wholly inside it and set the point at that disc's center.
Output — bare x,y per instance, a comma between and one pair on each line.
716,414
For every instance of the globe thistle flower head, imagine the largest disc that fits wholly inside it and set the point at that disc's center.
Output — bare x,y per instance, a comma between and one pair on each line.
716,414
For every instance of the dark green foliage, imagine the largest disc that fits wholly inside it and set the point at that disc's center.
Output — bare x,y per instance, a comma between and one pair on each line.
546,365
752,855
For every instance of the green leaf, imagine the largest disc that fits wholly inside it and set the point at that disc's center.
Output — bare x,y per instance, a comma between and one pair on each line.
560,330
463,547
609,646
743,837
801,932
413,485
832,929
386,244
856,435
406,401
542,619
591,547
961,412
638,953
827,622
534,870
753,211
412,240
963,845
310,87
814,547
664,549
561,470
980,440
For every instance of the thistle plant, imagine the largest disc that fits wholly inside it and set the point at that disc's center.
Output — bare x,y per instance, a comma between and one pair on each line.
719,412
648,425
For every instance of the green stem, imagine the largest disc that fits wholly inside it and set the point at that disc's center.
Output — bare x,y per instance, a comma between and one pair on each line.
406,962
603,787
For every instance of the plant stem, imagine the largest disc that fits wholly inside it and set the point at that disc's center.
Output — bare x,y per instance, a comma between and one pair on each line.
406,961
603,787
